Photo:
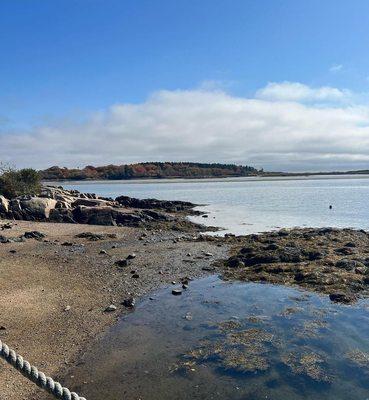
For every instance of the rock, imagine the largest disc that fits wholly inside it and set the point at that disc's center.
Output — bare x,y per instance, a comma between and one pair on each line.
209,269
165,205
136,276
8,225
345,251
96,236
342,298
235,262
349,265
184,286
12,251
4,205
110,308
129,303
3,239
94,215
103,252
37,208
91,203
176,292
122,263
34,235
68,244
131,256
67,308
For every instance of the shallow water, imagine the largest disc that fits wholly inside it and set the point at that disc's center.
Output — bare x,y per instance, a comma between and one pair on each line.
247,205
288,344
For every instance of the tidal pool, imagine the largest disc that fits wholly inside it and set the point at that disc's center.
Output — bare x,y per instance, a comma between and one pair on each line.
231,340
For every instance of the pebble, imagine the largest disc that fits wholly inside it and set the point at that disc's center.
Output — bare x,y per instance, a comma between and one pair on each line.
111,308
103,252
131,256
67,308
129,303
176,292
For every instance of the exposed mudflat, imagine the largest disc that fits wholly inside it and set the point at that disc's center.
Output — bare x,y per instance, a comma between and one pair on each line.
55,290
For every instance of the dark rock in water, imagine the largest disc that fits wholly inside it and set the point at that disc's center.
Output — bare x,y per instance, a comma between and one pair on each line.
129,303
176,292
342,298
34,235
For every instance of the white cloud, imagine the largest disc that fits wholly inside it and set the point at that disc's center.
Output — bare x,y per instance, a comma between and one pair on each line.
284,132
336,68
294,91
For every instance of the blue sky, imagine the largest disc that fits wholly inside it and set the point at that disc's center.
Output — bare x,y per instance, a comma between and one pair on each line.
63,61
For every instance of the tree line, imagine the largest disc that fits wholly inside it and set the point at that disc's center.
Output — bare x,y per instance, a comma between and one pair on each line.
149,170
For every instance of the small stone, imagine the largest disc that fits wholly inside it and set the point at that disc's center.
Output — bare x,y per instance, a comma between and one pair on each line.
67,308
122,263
111,308
12,251
131,256
209,254
184,286
135,276
103,252
176,292
129,303
173,282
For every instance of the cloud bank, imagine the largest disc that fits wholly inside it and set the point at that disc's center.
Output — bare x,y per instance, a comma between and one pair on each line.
284,126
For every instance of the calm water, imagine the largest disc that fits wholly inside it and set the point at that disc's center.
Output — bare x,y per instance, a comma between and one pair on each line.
222,340
253,205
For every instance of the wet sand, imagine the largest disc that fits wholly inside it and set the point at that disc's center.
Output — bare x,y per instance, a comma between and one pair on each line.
54,291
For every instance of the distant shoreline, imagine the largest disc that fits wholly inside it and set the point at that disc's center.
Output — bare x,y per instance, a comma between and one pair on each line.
282,177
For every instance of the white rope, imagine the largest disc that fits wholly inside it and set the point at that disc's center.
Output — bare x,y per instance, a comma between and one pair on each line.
36,376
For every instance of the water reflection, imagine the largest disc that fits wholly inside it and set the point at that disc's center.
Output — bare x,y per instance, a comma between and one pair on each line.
235,341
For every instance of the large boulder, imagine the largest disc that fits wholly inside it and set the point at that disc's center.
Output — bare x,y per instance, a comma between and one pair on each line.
4,205
36,207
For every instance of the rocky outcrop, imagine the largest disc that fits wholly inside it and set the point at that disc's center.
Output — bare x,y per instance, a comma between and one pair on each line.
56,204
165,205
